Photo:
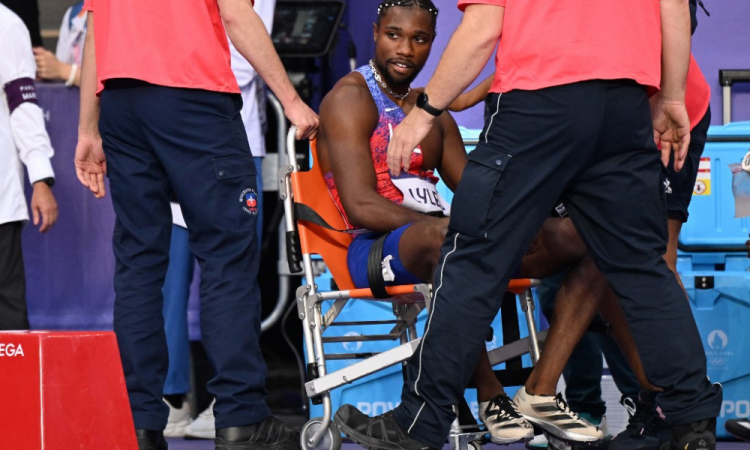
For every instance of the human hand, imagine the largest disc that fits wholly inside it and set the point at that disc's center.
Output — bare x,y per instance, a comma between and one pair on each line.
43,206
91,164
671,129
48,66
406,137
303,118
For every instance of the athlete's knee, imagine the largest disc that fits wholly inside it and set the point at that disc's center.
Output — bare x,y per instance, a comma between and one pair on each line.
436,233
561,235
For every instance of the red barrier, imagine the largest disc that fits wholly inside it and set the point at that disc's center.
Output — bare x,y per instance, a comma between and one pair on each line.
62,391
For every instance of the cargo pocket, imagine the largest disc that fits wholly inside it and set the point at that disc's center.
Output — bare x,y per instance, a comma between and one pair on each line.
236,200
474,193
229,167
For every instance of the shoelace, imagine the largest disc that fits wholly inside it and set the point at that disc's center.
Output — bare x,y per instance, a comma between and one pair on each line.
564,407
505,408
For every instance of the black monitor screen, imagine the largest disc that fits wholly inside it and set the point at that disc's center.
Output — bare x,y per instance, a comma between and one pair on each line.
305,28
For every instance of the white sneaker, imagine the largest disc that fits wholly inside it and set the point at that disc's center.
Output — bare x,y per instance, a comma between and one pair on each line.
539,441
203,426
503,421
552,414
179,418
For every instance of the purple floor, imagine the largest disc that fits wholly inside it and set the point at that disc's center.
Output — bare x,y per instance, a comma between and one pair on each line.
182,444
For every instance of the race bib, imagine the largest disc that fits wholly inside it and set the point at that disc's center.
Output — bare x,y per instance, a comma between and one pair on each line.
420,195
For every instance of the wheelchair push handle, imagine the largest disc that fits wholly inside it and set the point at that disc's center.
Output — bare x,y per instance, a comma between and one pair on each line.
293,248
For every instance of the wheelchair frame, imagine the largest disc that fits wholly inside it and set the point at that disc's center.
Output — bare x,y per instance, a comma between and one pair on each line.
407,300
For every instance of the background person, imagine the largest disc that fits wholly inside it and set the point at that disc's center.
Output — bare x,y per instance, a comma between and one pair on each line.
169,122
64,64
23,142
541,144
179,274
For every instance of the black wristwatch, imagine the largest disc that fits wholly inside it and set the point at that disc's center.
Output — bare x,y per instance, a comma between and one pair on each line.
422,102
49,181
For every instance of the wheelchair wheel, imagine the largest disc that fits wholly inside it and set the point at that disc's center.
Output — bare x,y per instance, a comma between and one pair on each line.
475,445
331,440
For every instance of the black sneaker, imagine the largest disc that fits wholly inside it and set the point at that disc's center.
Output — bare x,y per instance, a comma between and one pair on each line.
375,433
646,430
739,427
700,435
150,440
268,434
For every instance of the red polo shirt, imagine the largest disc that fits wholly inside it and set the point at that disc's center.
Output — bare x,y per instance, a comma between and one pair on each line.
697,93
175,43
550,43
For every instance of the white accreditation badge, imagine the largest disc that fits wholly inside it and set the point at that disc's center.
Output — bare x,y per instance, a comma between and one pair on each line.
420,194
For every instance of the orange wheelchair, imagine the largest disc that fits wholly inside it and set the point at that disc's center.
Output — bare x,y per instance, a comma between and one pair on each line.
314,226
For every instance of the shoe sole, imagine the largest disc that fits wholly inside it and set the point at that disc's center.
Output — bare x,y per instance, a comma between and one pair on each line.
742,436
574,438
196,437
509,441
363,440
175,430
555,440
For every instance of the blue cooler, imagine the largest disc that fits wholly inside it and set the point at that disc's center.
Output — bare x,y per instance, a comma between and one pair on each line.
715,269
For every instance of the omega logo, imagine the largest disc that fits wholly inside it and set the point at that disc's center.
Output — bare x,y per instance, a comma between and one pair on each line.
11,350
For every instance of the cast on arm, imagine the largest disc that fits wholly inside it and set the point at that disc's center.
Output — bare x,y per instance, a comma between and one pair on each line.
248,34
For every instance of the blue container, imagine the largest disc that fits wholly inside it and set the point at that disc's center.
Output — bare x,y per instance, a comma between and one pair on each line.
722,312
381,391
712,224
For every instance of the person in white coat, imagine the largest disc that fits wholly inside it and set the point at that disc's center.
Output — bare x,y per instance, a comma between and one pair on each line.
23,142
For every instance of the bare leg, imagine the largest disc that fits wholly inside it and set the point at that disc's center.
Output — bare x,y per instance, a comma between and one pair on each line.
576,304
488,386
671,256
556,247
419,247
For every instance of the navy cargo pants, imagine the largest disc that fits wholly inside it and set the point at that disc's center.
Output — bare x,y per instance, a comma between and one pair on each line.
160,140
591,145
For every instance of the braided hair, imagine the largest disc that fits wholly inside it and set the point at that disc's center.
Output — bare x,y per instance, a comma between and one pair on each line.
424,4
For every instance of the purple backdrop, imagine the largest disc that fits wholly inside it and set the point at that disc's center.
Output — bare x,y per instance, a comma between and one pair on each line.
69,270
722,41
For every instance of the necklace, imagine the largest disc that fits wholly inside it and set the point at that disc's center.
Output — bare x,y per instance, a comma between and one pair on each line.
380,81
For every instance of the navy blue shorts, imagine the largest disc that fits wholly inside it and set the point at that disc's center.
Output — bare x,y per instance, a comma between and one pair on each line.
359,250
679,185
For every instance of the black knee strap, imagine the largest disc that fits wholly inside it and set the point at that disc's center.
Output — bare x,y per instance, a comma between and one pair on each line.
375,268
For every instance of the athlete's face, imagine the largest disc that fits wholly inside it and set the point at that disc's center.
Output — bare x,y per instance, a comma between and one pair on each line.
402,43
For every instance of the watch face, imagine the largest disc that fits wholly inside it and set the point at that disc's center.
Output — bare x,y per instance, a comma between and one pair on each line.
422,99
